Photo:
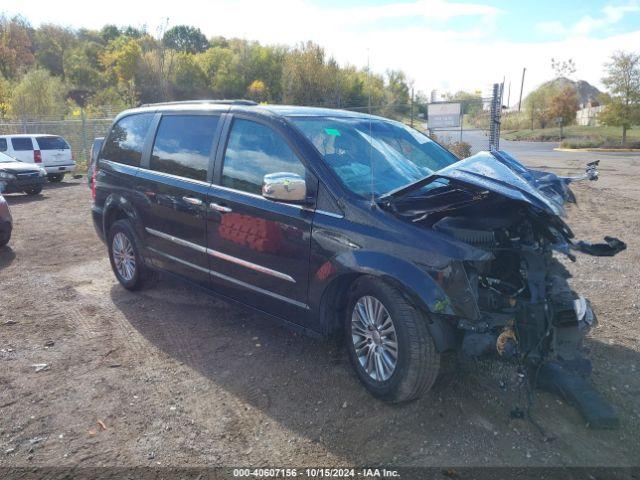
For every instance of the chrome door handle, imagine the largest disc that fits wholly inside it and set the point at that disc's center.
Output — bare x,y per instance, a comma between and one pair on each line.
193,201
219,208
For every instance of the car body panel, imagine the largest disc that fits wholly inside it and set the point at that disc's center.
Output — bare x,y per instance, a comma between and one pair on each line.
25,175
6,220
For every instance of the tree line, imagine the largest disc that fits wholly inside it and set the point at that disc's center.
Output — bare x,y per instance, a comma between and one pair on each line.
51,69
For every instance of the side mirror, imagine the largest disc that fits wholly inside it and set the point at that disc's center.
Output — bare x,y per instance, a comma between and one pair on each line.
284,187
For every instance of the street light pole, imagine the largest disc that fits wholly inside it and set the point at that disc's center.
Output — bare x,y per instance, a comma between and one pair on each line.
521,88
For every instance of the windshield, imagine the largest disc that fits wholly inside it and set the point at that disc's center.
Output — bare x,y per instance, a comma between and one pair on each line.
351,146
4,158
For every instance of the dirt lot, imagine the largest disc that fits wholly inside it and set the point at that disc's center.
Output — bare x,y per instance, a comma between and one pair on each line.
172,376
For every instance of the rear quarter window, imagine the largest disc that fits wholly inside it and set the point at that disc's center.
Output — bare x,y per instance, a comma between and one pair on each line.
21,144
126,139
52,143
3,144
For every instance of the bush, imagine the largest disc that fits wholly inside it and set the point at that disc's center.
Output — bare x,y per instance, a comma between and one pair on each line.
460,149
597,142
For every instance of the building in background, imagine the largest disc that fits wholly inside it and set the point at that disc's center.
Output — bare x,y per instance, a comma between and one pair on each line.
588,116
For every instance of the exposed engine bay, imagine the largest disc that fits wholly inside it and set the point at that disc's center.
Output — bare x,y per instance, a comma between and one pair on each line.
517,303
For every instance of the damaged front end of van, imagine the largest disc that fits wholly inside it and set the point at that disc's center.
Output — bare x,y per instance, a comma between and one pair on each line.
516,302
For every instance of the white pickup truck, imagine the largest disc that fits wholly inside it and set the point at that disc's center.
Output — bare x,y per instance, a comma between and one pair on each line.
50,152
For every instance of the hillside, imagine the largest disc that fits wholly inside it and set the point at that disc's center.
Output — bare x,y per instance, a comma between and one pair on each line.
586,92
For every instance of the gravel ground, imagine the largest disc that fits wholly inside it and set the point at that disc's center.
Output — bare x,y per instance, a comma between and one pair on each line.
172,376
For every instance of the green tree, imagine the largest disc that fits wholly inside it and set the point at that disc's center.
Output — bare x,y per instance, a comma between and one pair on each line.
51,42
109,33
304,80
38,94
121,57
623,82
185,38
188,81
223,69
80,68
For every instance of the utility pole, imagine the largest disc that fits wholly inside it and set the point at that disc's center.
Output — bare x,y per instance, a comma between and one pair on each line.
509,94
521,88
411,107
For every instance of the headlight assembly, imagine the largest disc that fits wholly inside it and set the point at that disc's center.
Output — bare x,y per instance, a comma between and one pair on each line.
7,175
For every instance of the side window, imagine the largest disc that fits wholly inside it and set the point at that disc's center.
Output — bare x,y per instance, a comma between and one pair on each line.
3,144
126,140
183,145
254,150
21,144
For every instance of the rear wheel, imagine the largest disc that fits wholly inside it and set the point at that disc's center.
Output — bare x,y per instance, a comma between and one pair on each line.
33,190
388,342
55,177
124,255
4,238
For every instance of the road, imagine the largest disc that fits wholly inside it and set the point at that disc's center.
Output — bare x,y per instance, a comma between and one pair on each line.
618,169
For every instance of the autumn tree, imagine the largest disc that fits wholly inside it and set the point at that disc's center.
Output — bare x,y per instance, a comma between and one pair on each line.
120,60
623,82
564,104
15,46
257,91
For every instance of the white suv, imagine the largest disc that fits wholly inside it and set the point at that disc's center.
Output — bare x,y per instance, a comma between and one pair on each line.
51,152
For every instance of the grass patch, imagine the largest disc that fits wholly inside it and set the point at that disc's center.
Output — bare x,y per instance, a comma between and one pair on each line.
591,137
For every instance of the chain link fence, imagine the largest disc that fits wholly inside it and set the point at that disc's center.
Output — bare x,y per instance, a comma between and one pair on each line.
477,127
78,132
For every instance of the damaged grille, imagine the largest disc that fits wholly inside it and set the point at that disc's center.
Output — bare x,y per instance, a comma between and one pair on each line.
459,229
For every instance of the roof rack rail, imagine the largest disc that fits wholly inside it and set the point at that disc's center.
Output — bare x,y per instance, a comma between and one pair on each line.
195,102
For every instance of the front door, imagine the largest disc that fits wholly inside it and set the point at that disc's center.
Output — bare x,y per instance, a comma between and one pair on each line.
173,189
258,249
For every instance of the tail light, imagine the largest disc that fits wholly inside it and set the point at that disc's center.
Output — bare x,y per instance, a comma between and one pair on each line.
73,157
37,156
93,181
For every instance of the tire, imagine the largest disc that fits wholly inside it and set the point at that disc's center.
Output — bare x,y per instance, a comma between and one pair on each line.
417,361
122,238
55,177
33,191
4,238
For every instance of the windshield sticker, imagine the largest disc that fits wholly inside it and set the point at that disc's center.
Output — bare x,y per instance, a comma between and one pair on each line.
332,131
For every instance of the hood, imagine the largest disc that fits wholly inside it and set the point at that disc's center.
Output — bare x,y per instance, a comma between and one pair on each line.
19,167
500,173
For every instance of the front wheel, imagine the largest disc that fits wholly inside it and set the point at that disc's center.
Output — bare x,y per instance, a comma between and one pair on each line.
388,342
55,177
33,191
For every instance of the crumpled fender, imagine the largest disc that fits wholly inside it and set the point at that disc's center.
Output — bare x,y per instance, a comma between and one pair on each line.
419,286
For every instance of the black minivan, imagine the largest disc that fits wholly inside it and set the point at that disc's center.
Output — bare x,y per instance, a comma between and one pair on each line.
340,222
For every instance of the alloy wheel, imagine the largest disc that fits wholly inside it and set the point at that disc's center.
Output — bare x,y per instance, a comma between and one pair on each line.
123,256
374,338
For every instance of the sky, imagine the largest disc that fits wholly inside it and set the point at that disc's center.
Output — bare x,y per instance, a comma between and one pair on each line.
447,45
